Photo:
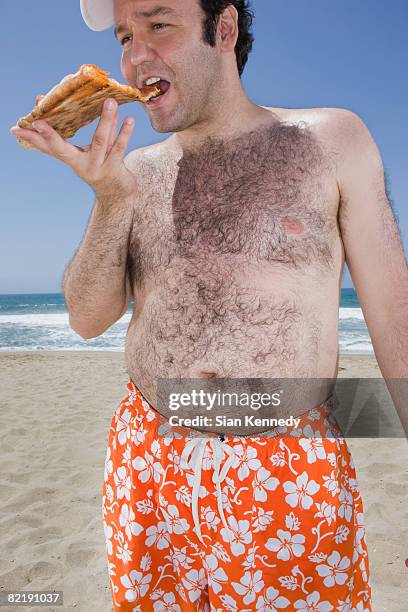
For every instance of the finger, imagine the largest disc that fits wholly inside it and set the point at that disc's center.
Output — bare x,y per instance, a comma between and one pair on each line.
44,138
29,136
101,136
119,147
112,135
26,136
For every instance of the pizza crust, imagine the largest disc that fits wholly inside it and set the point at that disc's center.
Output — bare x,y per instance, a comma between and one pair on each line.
78,99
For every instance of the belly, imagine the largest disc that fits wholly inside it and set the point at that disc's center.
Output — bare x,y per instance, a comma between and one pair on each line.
221,321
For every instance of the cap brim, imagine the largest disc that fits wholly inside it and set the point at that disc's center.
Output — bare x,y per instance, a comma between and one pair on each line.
97,14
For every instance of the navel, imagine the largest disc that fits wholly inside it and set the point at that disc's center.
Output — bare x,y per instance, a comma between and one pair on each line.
206,375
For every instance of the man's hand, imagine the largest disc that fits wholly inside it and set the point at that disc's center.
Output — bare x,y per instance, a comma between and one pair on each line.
99,164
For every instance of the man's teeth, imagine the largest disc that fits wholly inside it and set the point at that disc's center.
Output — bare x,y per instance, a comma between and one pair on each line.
152,80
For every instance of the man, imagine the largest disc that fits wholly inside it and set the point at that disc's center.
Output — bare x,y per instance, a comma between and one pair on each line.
231,235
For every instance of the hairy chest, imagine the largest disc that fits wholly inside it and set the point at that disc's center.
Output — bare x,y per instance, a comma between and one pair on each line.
267,197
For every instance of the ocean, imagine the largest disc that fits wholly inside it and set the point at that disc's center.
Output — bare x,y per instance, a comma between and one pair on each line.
39,322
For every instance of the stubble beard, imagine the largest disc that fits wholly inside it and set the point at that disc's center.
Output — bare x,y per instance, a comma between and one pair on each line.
191,107
173,122
187,112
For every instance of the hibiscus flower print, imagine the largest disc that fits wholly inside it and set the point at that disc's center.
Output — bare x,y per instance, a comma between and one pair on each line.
108,535
108,465
175,524
136,585
300,493
245,460
238,536
216,575
123,429
346,504
249,585
148,468
123,483
334,572
158,536
262,483
313,447
195,582
313,604
287,545
167,604
271,601
210,517
126,520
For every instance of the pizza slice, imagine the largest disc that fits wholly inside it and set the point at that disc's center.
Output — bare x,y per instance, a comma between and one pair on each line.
78,99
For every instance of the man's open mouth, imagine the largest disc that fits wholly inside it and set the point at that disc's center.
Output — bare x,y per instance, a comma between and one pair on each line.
156,100
158,84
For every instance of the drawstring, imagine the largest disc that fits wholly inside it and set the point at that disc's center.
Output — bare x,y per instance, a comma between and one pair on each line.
192,457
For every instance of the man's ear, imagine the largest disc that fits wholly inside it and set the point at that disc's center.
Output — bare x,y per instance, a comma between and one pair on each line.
227,30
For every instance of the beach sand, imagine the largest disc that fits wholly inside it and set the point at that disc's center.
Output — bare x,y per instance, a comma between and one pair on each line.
56,409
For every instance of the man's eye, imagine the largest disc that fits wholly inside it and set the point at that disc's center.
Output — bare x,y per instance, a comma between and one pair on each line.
155,26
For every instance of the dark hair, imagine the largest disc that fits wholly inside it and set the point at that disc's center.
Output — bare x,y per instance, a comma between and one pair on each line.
213,9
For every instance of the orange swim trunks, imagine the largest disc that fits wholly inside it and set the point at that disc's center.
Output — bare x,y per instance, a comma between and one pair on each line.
201,522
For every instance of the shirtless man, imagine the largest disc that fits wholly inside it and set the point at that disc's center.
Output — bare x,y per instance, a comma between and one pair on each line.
231,236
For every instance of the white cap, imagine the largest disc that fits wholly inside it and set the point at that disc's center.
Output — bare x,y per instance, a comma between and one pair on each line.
98,14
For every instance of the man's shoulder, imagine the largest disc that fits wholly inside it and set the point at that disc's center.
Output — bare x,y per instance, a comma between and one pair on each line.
153,152
324,120
339,131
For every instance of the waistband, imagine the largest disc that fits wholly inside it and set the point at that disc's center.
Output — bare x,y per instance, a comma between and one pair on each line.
312,417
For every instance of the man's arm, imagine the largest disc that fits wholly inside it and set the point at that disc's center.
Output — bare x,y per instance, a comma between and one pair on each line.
373,247
96,285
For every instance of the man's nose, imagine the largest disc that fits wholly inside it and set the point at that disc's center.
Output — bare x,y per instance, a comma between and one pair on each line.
140,52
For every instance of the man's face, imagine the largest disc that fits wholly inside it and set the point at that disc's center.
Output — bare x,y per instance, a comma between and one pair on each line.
164,38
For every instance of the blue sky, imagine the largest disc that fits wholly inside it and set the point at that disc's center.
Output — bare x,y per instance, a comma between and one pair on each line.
307,53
